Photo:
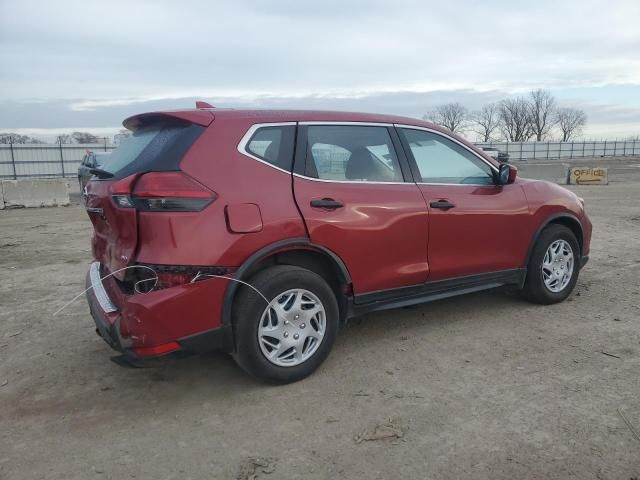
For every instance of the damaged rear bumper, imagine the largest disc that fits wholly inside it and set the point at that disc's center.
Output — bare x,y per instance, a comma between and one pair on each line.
157,324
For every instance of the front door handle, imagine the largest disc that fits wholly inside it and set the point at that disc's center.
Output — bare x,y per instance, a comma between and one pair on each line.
442,204
328,203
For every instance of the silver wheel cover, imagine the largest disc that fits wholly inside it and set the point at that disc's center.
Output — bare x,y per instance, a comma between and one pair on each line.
292,327
557,266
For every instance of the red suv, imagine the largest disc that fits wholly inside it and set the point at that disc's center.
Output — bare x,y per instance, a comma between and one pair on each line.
260,232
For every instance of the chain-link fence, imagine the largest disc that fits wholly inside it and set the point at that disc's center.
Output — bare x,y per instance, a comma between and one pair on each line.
21,160
565,150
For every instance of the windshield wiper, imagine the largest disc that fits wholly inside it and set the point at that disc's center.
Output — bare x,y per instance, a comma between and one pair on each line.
102,174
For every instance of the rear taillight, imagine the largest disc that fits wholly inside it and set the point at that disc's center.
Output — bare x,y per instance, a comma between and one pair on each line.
162,192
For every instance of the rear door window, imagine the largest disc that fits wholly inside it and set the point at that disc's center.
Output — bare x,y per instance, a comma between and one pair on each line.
351,153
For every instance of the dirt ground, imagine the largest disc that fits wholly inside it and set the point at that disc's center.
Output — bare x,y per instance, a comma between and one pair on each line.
482,386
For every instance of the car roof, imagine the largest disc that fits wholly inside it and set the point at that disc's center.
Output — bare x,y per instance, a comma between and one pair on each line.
206,116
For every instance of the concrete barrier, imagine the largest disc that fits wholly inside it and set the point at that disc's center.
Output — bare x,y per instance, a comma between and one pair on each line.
49,192
553,172
589,176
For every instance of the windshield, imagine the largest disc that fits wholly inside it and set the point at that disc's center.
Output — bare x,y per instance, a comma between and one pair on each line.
101,158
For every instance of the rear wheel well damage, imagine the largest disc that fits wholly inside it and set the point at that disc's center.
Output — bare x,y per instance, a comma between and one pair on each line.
325,264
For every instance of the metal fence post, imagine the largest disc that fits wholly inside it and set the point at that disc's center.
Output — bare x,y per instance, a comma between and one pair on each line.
105,144
547,149
583,148
634,148
571,155
61,155
604,152
534,150
521,150
13,159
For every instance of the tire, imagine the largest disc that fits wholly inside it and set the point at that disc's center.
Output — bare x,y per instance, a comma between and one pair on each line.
535,289
286,285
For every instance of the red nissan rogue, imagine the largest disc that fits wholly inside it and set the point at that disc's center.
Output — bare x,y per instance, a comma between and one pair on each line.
260,232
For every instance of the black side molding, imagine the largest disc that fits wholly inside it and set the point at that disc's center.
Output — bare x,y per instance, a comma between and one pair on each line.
431,291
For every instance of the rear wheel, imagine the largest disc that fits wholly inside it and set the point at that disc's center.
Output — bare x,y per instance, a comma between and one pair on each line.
553,269
285,336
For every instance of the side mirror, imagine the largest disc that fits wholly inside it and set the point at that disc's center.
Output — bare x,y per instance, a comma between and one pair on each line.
506,174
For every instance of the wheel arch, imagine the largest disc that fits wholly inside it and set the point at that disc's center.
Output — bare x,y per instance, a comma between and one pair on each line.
296,251
568,220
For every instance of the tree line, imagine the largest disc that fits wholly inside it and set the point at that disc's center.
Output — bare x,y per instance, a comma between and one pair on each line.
535,116
65,138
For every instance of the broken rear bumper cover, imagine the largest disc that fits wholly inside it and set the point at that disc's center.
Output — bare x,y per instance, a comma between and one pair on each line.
180,319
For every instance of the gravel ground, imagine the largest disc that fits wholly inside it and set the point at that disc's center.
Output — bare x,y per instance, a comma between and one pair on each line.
482,386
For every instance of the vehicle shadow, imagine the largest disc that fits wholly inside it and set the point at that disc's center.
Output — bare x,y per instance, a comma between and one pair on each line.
220,368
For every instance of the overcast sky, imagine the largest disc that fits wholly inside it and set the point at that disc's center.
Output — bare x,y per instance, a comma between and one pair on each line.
88,64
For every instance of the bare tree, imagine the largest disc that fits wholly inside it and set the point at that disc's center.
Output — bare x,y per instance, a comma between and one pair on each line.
84,137
486,121
453,116
64,138
570,121
515,119
543,113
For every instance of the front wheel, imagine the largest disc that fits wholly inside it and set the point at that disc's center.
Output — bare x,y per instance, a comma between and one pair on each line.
553,269
286,335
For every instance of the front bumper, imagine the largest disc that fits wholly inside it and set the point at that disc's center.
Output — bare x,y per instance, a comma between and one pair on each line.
182,319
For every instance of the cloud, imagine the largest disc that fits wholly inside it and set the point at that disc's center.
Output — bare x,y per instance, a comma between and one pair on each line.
96,62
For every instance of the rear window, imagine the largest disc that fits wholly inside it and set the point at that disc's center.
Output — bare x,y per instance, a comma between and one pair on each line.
157,147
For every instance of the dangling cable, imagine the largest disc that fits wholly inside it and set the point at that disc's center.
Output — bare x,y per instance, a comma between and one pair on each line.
105,277
201,275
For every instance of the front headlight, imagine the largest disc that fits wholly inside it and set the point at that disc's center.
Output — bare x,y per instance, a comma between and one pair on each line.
581,201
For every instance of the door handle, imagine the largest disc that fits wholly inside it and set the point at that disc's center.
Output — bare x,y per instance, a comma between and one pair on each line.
328,203
442,204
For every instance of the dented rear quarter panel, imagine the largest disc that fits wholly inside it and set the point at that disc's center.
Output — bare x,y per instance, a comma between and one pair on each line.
204,238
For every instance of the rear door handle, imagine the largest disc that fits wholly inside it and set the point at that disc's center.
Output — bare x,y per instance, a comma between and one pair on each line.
328,203
442,204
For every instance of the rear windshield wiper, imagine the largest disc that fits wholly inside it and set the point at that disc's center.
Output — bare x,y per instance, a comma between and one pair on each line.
98,172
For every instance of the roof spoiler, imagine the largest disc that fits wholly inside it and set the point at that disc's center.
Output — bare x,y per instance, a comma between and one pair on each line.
200,104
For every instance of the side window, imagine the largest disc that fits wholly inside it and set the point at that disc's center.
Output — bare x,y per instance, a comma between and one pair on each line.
351,153
441,160
274,145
